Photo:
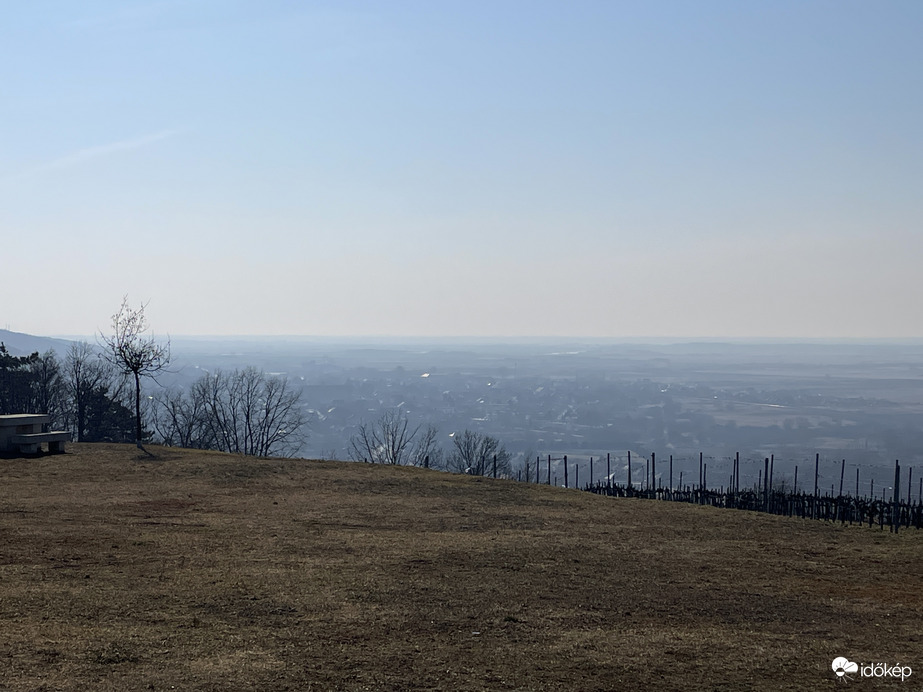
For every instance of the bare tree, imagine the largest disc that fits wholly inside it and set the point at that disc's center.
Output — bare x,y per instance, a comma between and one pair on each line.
388,440
244,412
47,387
85,375
526,466
426,450
134,353
182,420
475,452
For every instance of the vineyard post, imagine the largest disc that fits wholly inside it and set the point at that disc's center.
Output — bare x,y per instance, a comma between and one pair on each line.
896,506
629,469
495,465
653,472
796,479
772,463
671,473
737,473
839,500
538,460
766,484
565,471
816,476
909,482
591,471
608,469
549,470
701,480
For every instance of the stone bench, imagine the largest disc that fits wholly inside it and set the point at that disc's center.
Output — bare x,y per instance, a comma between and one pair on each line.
26,432
29,443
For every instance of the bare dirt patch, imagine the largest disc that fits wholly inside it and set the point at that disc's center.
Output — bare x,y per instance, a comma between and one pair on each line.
193,570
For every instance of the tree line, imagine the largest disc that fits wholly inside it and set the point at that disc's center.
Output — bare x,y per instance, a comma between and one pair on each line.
96,393
390,439
81,392
244,411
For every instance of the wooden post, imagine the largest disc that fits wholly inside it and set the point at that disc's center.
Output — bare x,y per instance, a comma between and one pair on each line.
591,471
538,460
796,478
772,463
565,472
737,480
549,471
653,470
857,482
766,485
701,479
629,469
816,470
842,473
426,461
495,465
608,469
816,476
671,473
896,507
909,482
577,475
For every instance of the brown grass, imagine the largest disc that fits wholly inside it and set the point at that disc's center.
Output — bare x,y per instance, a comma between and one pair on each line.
201,571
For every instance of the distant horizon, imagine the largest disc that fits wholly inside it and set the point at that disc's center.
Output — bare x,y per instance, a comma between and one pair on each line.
537,339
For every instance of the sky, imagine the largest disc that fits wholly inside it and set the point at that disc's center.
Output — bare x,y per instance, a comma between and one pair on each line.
463,168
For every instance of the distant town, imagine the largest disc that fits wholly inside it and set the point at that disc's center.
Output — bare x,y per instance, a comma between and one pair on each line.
858,402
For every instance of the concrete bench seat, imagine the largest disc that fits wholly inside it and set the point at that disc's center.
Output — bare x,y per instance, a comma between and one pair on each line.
28,443
26,432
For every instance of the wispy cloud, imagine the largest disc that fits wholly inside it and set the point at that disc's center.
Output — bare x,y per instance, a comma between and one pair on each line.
90,153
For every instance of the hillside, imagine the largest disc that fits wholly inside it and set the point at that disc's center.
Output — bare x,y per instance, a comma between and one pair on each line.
201,571
19,344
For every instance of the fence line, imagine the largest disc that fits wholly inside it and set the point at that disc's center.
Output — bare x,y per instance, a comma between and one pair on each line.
895,512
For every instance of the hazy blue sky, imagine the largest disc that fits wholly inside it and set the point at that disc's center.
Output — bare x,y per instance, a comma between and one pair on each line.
464,168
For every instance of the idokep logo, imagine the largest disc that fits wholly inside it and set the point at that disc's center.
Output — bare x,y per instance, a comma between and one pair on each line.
846,669
842,666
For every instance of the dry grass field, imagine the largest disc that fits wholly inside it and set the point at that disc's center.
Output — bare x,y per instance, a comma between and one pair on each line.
198,571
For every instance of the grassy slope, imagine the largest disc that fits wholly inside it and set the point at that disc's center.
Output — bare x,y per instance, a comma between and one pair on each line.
204,571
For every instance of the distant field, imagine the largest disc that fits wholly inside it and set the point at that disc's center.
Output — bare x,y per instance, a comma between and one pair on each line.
201,571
